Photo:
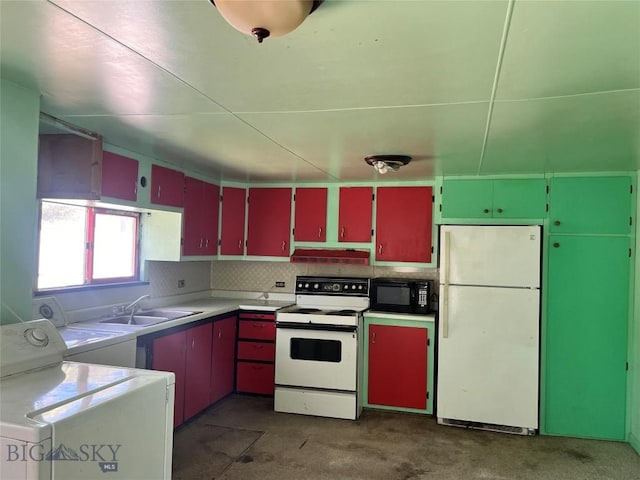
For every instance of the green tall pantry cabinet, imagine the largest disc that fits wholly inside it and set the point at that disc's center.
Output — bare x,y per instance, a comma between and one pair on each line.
589,252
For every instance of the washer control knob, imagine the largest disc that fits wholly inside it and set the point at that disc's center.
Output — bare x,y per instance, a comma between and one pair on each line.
37,337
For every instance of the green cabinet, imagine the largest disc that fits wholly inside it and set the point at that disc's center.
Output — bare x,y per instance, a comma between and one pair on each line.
586,336
596,205
497,198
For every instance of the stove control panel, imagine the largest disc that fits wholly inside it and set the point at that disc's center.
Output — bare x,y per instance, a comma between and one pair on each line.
343,286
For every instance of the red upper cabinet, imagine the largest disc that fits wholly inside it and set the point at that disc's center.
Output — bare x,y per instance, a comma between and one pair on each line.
119,177
233,216
354,221
201,206
311,215
269,227
404,224
167,186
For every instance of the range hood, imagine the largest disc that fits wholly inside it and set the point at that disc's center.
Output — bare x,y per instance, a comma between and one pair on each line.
330,256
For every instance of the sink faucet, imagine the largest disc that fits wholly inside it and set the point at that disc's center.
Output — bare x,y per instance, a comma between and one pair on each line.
133,306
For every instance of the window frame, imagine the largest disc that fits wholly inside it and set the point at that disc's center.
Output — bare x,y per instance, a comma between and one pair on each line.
88,280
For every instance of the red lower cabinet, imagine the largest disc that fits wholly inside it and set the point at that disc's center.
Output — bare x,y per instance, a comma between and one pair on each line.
223,357
198,370
256,353
169,355
397,366
255,378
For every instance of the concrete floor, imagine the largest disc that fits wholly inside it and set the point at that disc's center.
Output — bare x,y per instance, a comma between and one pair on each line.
242,438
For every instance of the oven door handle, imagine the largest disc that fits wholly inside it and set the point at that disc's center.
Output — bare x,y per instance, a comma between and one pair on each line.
316,326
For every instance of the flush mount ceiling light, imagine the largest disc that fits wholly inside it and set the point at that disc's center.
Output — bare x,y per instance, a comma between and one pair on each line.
384,163
265,18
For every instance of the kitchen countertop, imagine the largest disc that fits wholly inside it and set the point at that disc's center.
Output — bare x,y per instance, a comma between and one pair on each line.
92,334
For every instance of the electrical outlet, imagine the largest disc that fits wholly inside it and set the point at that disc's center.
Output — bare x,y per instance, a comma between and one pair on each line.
180,283
280,284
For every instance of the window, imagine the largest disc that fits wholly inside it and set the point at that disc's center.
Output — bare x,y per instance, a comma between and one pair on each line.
86,246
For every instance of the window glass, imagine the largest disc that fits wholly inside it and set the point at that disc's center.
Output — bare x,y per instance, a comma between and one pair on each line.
114,246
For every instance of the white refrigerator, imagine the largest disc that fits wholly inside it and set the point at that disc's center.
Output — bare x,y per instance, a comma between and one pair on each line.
489,327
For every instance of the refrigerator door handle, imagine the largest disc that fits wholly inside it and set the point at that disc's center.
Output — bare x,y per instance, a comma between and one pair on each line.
446,240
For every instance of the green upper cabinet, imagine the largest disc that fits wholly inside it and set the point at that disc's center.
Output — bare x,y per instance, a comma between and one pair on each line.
594,205
495,198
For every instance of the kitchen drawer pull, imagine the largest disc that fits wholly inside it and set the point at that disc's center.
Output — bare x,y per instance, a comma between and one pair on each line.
258,347
258,325
257,367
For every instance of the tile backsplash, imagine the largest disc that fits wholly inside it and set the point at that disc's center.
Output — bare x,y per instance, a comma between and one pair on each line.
260,276
164,277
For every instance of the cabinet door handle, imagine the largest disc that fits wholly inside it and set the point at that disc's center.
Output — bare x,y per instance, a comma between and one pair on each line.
219,333
373,337
556,245
446,242
158,195
380,249
240,244
557,223
486,210
200,242
135,188
320,232
499,210
193,343
283,244
258,347
206,243
258,325
342,232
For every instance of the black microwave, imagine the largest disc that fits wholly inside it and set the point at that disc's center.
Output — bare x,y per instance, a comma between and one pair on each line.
402,295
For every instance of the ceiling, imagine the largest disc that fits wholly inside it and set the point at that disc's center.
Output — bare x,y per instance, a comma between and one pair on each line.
464,87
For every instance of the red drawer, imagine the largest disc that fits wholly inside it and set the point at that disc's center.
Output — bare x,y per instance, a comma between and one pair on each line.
257,316
255,378
257,351
256,329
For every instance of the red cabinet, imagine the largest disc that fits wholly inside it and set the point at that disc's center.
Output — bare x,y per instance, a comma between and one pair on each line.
256,353
119,177
167,186
201,206
233,216
269,227
397,366
169,355
354,218
404,224
223,356
198,370
311,215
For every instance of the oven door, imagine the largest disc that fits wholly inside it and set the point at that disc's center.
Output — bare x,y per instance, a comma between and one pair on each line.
307,356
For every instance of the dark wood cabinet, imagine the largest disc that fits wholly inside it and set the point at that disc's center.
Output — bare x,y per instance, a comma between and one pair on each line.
233,217
256,353
119,177
269,229
404,223
69,166
354,217
167,186
223,357
310,224
200,227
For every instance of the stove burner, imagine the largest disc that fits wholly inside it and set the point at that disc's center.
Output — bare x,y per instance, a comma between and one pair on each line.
344,313
304,310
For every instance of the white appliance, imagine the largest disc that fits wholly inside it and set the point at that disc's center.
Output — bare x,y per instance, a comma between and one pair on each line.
318,368
489,327
67,420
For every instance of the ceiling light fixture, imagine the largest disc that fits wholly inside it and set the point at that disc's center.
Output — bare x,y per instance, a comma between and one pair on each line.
265,18
384,163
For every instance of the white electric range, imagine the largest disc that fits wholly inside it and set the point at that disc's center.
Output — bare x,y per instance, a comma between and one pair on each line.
318,368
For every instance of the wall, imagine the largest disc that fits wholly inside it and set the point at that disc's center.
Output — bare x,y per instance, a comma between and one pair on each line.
19,118
634,371
256,276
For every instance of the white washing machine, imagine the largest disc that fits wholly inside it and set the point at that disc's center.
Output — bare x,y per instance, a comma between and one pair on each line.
68,420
